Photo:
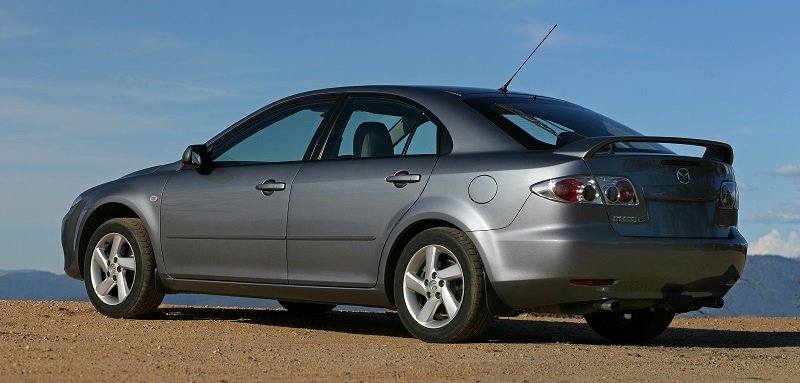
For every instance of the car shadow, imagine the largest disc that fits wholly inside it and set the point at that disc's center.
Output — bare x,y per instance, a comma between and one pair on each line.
364,323
503,330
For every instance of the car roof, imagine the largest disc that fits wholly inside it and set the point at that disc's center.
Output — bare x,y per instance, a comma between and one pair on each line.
469,134
403,89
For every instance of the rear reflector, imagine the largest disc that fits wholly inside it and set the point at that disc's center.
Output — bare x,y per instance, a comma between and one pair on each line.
593,282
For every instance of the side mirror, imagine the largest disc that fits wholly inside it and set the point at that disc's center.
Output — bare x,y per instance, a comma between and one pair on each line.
196,155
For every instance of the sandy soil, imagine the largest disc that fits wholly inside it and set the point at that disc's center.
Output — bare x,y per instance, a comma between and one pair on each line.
69,341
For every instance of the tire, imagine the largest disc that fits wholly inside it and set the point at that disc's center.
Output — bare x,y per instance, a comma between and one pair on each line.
629,327
306,308
119,270
448,303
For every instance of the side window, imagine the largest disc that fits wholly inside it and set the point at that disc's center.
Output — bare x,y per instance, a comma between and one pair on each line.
280,137
424,139
379,128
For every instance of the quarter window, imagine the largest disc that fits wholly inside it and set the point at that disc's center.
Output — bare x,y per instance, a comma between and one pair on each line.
281,137
424,139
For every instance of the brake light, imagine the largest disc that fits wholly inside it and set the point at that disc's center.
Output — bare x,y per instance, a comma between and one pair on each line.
587,189
577,189
728,195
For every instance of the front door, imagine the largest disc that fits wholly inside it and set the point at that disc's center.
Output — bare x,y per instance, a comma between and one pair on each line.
229,224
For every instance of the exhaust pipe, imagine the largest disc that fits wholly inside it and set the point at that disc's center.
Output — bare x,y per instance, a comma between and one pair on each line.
608,305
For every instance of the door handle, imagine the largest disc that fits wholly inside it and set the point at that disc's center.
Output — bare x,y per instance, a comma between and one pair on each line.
402,178
270,186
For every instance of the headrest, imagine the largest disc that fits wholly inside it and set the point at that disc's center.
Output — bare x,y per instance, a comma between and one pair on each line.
372,140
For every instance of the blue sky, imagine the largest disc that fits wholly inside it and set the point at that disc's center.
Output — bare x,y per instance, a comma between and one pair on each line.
90,91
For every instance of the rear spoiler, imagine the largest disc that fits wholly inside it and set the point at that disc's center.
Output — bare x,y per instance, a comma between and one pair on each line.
588,147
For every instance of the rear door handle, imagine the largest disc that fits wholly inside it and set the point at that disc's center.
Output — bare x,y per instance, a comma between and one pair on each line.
402,178
270,186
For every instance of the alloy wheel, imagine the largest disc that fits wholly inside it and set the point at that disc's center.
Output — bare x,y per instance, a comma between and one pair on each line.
433,286
113,268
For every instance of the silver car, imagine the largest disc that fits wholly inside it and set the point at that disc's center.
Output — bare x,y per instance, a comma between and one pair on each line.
449,205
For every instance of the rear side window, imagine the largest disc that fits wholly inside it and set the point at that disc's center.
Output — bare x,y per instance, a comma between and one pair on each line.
546,124
374,127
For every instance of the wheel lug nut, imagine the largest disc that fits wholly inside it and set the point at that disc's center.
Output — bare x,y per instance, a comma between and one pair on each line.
428,294
438,296
115,259
115,277
441,283
433,275
119,268
426,281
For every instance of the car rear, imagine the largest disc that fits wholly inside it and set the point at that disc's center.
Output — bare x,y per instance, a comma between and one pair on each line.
642,227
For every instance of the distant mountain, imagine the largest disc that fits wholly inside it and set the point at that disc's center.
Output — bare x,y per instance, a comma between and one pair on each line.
770,286
42,285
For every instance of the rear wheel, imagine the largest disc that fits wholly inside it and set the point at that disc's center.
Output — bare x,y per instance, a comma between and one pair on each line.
629,327
306,308
119,270
438,287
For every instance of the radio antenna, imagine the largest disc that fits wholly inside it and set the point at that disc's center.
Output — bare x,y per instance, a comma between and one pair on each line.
504,88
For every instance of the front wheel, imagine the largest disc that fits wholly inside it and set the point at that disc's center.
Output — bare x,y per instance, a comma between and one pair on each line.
119,270
438,287
629,327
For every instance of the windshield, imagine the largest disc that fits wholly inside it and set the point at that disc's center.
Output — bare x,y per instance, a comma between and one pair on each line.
541,123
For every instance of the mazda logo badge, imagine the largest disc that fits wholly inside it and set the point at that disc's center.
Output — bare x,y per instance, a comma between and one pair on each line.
683,176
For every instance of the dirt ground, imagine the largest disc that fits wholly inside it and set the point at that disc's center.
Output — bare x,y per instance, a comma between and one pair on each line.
69,341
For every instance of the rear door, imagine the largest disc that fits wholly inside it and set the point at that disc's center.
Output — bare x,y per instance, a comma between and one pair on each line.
375,165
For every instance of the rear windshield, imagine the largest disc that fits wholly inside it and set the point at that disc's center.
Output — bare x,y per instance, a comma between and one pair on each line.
541,123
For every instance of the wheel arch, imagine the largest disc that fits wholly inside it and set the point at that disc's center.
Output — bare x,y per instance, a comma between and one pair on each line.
424,222
97,217
398,244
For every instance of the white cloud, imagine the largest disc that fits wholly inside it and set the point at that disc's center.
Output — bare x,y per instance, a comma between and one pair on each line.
61,118
791,170
160,43
786,213
171,90
775,244
10,32
135,88
745,187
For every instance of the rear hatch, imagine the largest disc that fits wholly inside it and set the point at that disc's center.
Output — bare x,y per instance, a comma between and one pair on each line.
676,196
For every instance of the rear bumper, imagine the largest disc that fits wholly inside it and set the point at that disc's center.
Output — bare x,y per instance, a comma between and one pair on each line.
531,268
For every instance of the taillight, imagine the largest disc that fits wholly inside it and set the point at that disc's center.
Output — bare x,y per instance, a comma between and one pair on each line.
728,195
585,189
618,191
577,189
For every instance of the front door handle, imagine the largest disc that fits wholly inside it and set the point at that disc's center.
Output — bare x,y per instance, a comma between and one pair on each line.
270,186
402,178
